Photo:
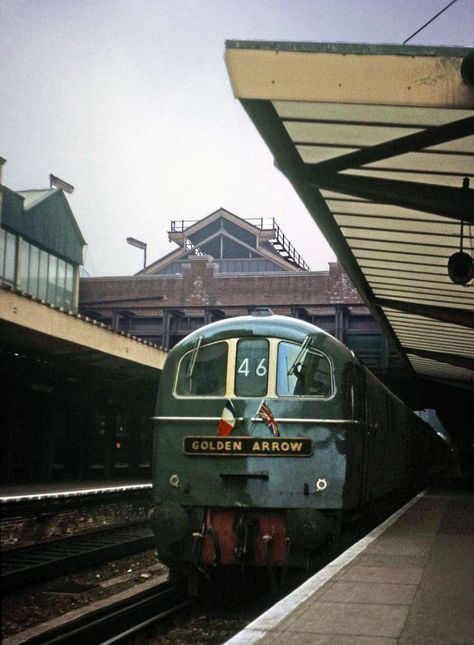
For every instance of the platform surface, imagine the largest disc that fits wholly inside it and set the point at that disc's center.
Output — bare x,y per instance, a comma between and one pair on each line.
410,581
27,492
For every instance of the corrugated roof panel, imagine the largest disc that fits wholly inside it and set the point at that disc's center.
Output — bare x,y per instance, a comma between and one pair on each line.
387,245
424,162
337,134
400,258
412,234
446,344
439,177
415,283
359,217
404,116
436,369
449,338
422,296
316,154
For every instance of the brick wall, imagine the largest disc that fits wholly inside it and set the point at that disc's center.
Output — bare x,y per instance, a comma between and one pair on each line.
201,285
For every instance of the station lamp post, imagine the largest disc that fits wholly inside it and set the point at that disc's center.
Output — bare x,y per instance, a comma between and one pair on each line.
140,245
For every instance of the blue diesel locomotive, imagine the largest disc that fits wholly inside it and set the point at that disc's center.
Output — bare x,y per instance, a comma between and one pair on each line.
267,430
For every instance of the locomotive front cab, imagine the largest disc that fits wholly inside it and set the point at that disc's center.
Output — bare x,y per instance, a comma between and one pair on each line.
249,447
300,370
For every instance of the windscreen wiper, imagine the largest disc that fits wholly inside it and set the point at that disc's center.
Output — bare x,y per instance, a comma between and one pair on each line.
192,362
297,360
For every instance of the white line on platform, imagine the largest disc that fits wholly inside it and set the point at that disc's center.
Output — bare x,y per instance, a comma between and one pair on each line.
71,493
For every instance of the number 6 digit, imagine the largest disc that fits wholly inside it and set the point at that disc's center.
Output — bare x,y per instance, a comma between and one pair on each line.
261,369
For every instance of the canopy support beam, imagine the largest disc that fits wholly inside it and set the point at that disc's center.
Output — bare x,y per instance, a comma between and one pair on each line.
455,203
411,143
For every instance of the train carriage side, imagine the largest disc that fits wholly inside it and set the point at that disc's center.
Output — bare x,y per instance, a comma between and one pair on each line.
388,426
402,450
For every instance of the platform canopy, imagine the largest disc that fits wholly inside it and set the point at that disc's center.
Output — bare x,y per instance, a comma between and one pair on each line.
378,141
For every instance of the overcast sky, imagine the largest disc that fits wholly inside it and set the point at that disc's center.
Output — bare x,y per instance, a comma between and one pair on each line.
129,101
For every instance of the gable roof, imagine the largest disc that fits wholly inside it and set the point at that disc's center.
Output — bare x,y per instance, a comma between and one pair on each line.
259,238
44,217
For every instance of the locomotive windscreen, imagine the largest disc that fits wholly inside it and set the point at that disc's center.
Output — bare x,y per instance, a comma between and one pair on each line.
203,371
251,367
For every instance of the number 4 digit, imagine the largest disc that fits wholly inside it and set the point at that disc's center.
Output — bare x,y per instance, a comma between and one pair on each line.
244,367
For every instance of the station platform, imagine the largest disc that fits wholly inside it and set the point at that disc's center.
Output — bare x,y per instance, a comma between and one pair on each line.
411,580
57,490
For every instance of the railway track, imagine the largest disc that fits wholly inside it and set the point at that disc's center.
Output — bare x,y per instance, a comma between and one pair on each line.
117,621
33,564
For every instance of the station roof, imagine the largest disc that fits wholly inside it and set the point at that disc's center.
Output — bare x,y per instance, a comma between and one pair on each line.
378,141
43,217
30,327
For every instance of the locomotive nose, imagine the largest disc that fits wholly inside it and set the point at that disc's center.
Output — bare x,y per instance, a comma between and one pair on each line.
307,528
171,525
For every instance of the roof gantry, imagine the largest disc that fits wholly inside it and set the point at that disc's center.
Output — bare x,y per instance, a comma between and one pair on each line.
255,237
378,141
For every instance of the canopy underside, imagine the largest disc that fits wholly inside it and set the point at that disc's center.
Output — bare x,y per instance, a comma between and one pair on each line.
379,144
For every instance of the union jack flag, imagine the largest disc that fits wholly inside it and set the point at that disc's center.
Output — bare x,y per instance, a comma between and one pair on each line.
265,414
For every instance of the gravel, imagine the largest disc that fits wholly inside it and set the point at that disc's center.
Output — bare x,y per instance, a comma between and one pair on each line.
49,601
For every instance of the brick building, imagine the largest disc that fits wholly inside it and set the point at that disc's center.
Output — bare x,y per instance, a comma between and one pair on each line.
226,266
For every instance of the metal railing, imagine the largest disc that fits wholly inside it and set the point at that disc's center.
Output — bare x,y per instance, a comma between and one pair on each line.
279,241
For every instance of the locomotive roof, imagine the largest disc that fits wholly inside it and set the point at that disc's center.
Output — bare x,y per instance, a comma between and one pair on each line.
254,325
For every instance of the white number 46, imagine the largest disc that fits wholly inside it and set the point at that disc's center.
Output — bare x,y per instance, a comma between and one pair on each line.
261,370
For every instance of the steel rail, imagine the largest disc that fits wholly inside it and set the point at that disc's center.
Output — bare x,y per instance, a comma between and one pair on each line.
29,565
119,620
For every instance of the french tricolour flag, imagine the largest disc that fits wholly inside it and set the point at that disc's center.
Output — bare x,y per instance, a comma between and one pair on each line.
227,420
